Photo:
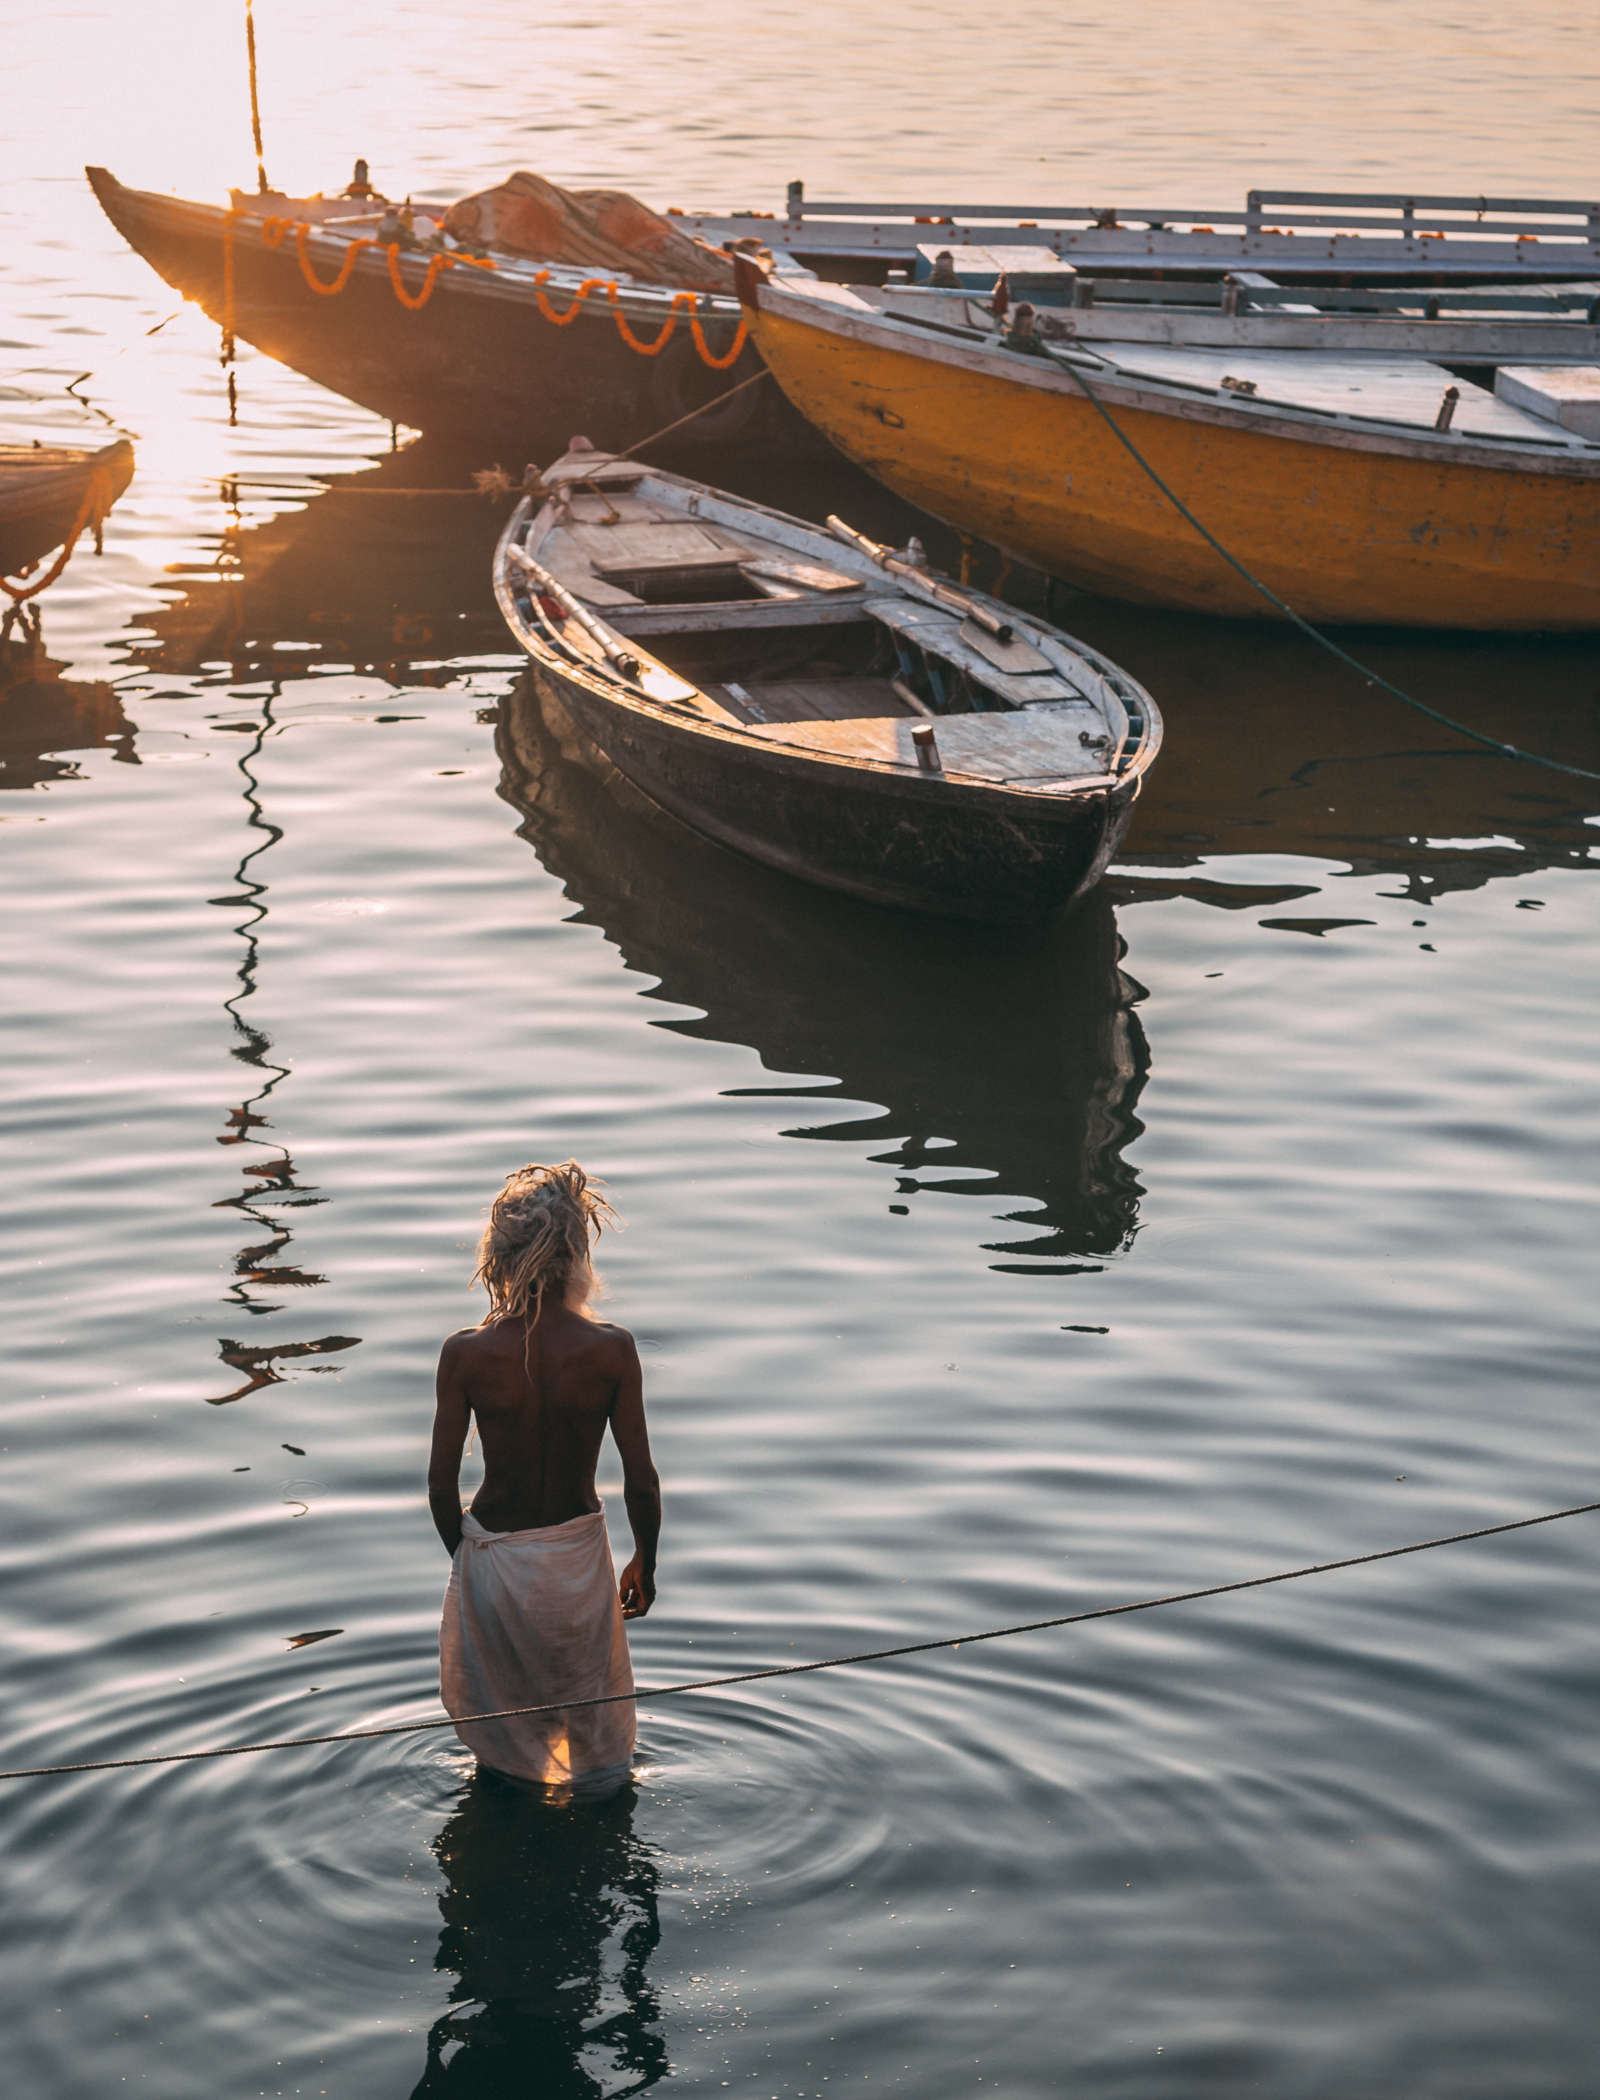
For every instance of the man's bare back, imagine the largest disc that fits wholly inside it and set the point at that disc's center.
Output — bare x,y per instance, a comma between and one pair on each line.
542,1434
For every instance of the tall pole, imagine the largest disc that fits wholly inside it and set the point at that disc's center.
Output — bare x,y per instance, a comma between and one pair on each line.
255,101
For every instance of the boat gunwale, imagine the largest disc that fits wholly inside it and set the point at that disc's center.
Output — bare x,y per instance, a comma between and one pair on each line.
1566,457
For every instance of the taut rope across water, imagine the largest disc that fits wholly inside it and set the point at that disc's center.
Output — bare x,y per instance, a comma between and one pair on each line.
832,1662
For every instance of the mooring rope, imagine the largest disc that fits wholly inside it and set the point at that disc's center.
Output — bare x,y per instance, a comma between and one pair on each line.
1323,641
806,1669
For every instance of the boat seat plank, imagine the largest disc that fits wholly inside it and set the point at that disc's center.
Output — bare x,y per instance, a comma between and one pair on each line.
823,699
609,473
758,615
1406,390
607,507
592,589
1018,750
670,543
716,561
938,631
810,575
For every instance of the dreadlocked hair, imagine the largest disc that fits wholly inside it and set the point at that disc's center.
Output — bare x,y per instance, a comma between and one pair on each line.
538,1238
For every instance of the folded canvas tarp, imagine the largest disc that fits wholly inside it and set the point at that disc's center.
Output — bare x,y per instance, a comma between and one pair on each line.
593,229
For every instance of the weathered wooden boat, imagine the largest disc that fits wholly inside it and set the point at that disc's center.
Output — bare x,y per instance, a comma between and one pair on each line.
819,704
514,355
50,492
1363,488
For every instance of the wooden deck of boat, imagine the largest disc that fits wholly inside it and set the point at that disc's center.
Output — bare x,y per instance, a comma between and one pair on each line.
1406,391
810,699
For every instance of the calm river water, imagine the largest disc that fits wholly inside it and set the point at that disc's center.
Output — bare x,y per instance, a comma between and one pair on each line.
1246,1218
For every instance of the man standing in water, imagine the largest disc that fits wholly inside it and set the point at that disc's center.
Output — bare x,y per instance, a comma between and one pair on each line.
533,1612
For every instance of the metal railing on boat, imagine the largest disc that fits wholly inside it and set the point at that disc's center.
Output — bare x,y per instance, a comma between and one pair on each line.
1383,231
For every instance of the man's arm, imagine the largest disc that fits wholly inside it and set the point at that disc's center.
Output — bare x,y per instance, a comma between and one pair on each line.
450,1419
641,1487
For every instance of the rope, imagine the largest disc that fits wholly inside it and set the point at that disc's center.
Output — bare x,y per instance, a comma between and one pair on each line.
805,1669
97,500
1323,641
667,429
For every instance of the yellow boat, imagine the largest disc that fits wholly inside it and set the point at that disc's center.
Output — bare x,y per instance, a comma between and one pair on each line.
1361,488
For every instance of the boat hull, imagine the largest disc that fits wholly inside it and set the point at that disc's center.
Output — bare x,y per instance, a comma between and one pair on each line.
966,851
43,496
477,362
1344,531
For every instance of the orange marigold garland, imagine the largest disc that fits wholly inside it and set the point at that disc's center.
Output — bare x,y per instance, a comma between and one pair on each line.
663,334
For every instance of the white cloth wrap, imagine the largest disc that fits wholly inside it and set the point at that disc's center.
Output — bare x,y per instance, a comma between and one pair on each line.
531,1617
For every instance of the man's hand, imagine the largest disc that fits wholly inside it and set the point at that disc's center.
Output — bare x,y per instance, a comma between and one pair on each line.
636,1588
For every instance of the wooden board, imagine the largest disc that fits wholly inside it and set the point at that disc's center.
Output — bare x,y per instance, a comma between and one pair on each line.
1385,390
592,589
940,632
1564,394
597,467
1032,747
618,546
821,699
809,575
978,266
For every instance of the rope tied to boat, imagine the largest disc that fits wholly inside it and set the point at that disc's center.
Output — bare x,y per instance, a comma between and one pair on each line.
98,498
1323,641
809,1669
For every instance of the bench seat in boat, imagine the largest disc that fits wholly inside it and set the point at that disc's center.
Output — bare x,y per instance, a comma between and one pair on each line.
1031,747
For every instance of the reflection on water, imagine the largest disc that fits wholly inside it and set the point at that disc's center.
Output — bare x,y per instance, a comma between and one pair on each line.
44,716
1273,747
1007,1063
270,1186
549,1922
379,570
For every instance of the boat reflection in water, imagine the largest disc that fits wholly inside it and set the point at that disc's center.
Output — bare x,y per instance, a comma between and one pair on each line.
1275,748
383,570
549,1922
1007,1062
45,718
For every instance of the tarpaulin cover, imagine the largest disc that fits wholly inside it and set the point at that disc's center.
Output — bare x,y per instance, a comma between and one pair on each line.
592,229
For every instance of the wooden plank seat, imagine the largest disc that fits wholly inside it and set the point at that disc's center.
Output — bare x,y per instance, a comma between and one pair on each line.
810,699
939,633
1034,746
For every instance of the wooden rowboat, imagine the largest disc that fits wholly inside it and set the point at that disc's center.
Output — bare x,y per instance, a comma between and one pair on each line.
48,490
818,704
1360,489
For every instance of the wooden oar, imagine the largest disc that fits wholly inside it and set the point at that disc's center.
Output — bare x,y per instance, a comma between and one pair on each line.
995,638
653,679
